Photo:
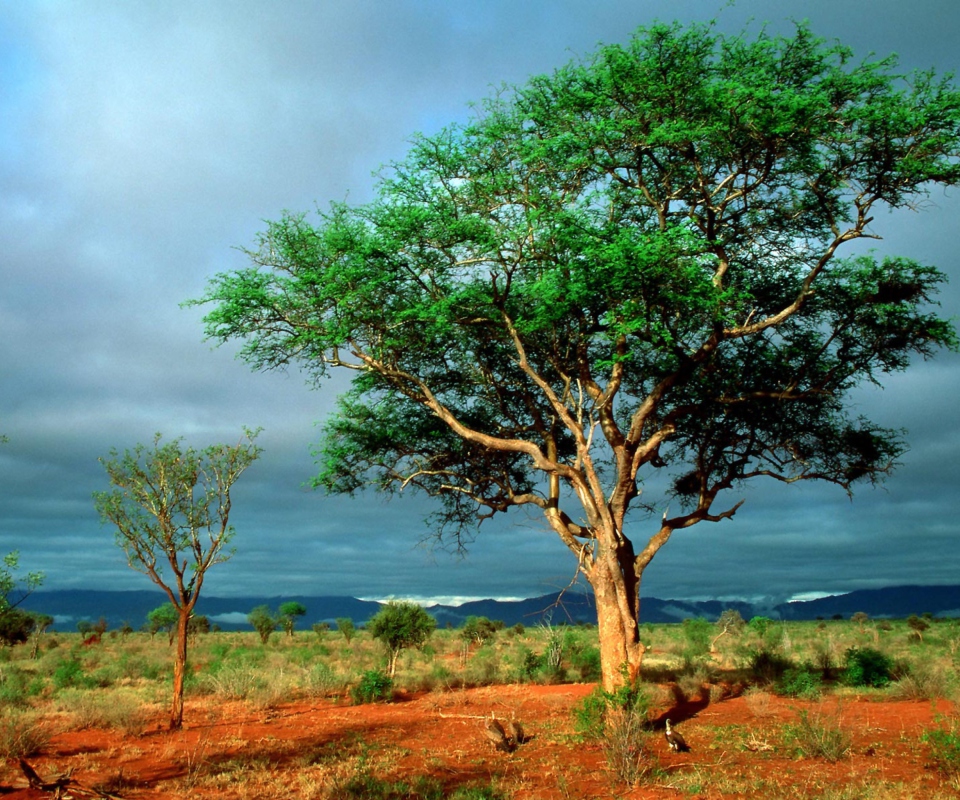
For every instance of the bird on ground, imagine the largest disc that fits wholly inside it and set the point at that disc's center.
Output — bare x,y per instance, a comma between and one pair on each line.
493,730
675,740
515,732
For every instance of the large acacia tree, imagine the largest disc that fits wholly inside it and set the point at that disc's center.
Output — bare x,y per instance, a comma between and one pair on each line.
171,506
629,267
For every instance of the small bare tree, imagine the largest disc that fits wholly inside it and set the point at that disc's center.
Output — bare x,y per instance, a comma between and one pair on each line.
171,507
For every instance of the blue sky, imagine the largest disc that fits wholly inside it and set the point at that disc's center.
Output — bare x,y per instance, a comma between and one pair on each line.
143,143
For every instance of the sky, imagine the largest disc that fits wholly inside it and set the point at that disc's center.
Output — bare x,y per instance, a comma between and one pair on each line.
143,145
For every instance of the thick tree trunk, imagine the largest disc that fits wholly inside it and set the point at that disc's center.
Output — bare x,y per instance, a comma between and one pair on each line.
179,670
621,651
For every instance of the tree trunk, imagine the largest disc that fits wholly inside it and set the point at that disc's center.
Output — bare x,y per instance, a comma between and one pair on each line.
179,669
621,651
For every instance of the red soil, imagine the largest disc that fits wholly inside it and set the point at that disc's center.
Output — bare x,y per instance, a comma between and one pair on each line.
736,743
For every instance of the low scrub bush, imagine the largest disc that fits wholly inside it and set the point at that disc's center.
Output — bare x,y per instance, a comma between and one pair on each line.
70,674
22,733
924,681
817,736
803,681
323,680
373,686
867,667
590,714
768,666
116,710
618,720
944,744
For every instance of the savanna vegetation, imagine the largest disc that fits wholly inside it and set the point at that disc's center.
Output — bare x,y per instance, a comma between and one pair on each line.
764,701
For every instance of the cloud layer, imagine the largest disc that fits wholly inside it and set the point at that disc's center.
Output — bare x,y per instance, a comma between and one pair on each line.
144,143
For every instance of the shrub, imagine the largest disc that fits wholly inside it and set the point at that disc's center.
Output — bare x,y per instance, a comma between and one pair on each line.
944,744
867,667
590,714
814,736
803,681
70,673
401,625
22,733
618,720
768,666
346,627
116,710
374,685
587,664
263,621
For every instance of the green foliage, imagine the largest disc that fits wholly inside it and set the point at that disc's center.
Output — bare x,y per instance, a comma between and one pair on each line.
817,736
697,633
664,220
803,681
944,744
264,622
866,666
399,626
586,662
918,625
70,673
163,618
480,629
15,626
591,714
768,666
288,614
346,627
22,733
372,687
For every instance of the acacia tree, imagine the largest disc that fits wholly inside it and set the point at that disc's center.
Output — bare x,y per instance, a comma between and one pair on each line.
171,508
400,625
288,614
629,267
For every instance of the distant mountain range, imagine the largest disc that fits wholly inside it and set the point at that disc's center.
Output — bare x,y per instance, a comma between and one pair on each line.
68,607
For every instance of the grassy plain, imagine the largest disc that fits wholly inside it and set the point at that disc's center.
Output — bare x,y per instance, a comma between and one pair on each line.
773,711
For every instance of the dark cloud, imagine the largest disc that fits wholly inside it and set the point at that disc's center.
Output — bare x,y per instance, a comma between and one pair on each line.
143,143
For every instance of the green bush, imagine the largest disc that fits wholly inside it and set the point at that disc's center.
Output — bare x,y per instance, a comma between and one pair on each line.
768,666
70,673
590,714
374,685
867,667
816,736
587,664
803,681
944,743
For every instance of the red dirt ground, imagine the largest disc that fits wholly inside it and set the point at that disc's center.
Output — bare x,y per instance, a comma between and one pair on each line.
231,750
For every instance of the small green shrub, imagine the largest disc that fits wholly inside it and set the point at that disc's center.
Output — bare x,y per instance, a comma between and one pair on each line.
867,667
69,674
374,686
768,666
815,736
590,714
803,681
22,733
944,744
587,664
14,688
323,680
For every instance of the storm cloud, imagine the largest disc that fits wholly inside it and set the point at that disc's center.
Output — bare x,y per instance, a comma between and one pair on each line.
144,143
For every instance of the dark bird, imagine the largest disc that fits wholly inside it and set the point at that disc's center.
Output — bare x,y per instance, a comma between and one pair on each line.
675,740
493,730
515,732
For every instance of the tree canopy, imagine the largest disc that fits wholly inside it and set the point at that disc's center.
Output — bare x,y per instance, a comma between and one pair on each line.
630,267
171,506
